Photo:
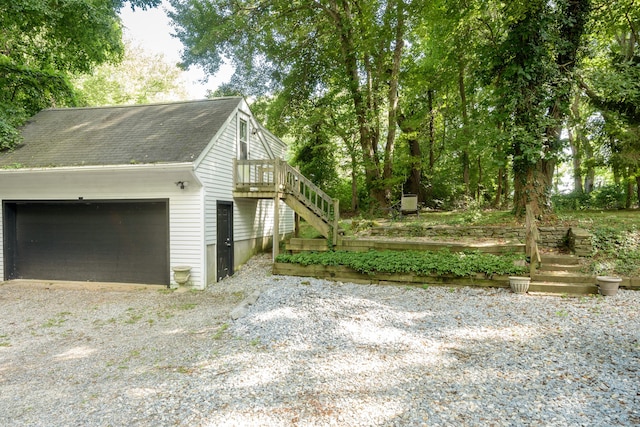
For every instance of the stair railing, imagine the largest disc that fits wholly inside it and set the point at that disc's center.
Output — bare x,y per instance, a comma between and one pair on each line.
291,181
277,175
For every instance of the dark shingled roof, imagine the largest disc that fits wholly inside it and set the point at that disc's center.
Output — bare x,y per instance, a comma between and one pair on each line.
158,133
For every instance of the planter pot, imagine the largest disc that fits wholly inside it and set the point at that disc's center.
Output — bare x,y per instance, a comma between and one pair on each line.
519,285
608,285
181,274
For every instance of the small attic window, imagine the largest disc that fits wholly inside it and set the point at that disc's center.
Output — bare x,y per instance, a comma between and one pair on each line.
243,141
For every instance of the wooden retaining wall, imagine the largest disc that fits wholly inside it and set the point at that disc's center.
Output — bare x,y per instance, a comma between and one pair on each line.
577,239
346,274
297,245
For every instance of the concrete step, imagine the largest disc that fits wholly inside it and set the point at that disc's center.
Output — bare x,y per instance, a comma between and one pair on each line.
562,288
559,259
559,267
563,277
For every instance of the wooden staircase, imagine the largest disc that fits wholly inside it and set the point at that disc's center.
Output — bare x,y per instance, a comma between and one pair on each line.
560,274
276,179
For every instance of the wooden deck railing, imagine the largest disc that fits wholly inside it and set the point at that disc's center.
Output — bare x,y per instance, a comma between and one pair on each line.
276,175
254,175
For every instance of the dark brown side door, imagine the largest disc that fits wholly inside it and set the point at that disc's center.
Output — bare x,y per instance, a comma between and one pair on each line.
224,247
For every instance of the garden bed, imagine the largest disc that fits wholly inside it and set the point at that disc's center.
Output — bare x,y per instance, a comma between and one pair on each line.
409,267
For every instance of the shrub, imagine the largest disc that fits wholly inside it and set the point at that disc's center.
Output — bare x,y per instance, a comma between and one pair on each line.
608,197
571,201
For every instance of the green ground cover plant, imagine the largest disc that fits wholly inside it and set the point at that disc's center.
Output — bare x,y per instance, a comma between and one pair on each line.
421,263
616,233
616,239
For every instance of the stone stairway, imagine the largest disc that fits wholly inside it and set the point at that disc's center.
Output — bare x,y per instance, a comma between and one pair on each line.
560,274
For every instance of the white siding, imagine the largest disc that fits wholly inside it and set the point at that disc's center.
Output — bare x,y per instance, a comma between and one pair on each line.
278,147
252,218
186,233
216,174
287,220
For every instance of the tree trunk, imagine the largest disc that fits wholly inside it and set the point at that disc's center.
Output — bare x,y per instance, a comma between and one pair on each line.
506,190
354,183
392,98
368,141
498,199
479,185
576,155
532,182
413,184
531,186
590,176
638,188
575,142
432,129
577,162
629,193
466,172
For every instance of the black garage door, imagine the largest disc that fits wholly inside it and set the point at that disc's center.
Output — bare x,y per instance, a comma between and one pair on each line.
125,241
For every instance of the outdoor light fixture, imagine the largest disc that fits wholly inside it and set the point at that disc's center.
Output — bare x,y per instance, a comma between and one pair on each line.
182,184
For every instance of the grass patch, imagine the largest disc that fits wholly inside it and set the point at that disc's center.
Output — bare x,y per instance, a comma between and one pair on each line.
165,315
134,317
187,306
307,231
220,331
4,342
57,320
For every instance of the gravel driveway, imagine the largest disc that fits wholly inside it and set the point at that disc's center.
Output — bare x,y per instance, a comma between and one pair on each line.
313,352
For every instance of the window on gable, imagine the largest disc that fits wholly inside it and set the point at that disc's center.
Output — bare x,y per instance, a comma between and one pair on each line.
244,140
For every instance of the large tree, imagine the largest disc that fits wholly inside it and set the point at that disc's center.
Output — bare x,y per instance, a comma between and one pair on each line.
43,43
533,69
298,50
444,96
612,84
140,78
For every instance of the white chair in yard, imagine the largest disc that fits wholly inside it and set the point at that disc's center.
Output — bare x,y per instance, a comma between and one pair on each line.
409,204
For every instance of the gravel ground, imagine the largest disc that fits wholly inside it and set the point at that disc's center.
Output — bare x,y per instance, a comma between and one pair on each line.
314,352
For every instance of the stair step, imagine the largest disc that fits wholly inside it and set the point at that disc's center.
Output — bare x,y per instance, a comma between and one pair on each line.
563,277
560,259
559,267
563,288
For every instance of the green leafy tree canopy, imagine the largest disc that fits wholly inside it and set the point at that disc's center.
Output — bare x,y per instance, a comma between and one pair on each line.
43,43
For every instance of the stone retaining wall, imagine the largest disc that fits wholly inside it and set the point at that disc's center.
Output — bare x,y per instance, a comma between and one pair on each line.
580,242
